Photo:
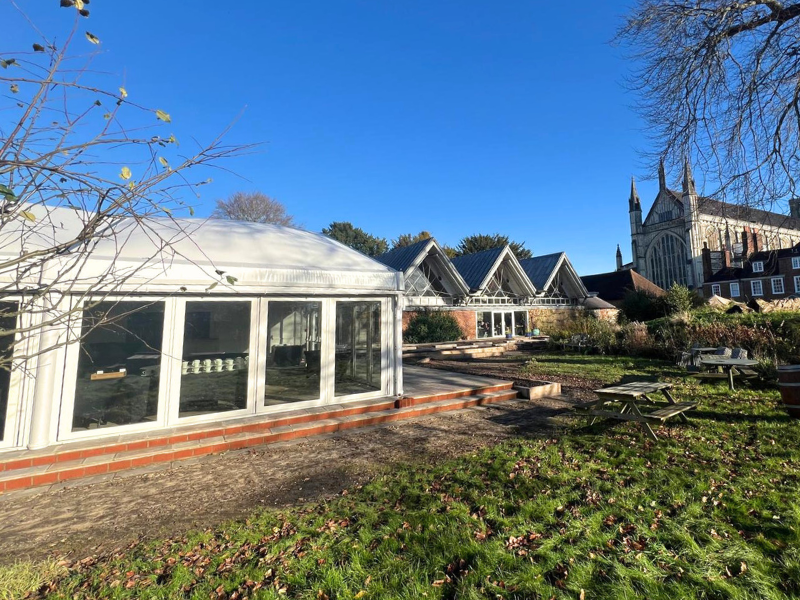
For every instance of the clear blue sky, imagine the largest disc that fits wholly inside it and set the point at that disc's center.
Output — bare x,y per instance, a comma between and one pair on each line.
458,117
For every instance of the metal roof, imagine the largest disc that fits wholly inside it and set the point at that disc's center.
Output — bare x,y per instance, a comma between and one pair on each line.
539,269
402,258
474,268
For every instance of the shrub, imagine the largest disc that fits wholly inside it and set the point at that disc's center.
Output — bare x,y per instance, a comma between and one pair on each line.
432,326
641,306
679,300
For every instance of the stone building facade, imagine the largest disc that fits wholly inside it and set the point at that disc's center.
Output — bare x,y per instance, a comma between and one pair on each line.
667,245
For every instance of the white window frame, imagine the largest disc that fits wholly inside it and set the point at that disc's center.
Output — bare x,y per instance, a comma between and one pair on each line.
494,313
796,262
775,280
797,284
175,357
760,287
68,389
716,289
20,387
329,383
758,267
172,358
738,291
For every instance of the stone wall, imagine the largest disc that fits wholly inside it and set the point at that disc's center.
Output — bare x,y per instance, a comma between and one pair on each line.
550,319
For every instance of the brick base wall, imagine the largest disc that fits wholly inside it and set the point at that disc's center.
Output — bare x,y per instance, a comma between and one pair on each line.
467,321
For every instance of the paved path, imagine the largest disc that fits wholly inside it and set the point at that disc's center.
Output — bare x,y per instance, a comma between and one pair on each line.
78,521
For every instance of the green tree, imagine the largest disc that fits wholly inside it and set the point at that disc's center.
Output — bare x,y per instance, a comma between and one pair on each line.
408,239
356,238
479,242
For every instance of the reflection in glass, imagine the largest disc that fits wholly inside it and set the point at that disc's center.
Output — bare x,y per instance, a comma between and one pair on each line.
216,342
498,324
293,352
508,323
484,324
358,348
8,322
520,322
119,364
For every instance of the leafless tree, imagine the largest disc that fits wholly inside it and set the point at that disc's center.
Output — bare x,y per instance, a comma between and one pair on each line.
719,82
255,207
74,177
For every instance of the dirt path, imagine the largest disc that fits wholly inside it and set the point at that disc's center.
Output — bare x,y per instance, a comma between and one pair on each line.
88,519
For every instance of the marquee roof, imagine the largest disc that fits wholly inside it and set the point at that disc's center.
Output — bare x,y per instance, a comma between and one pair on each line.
195,253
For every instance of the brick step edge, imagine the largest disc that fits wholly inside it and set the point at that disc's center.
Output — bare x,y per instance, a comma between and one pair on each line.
406,401
63,472
278,420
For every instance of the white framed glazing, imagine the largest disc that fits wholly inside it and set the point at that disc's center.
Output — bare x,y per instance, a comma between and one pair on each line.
175,358
18,395
386,325
326,352
498,323
70,380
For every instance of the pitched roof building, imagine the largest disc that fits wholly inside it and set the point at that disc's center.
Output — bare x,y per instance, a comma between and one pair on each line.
613,287
667,245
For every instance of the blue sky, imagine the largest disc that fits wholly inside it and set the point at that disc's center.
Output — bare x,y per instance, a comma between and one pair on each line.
458,117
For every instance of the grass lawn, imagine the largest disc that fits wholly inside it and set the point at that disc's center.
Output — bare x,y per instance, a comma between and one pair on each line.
711,511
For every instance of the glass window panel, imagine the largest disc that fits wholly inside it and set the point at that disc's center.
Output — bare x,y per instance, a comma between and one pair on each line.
8,322
498,324
216,357
520,322
294,344
484,324
119,365
358,348
508,323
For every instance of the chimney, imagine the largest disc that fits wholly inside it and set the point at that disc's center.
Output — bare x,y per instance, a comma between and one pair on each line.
726,258
746,243
707,273
794,208
757,241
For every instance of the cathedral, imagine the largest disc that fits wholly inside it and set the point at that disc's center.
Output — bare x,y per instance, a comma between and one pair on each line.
667,247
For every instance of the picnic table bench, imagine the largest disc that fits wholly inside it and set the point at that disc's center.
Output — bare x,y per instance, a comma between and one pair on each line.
579,341
625,402
726,368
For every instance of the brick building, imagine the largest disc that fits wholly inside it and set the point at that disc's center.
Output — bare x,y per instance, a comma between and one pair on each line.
765,275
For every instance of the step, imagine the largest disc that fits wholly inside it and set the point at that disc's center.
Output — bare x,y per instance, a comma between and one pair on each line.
102,464
133,442
413,400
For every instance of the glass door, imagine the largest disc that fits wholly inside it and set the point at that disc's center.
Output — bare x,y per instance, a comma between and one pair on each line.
8,323
294,347
358,348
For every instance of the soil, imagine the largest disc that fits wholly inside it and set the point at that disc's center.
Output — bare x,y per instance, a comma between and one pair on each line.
96,518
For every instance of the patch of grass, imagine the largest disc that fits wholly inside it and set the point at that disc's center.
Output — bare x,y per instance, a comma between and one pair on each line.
712,511
603,368
24,577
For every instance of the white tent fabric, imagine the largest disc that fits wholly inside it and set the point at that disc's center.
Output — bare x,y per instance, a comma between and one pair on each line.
193,254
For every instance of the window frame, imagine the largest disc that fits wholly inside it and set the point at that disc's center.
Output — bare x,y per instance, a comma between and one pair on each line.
175,358
753,288
796,262
716,289
738,290
386,324
20,388
758,266
797,284
772,284
69,386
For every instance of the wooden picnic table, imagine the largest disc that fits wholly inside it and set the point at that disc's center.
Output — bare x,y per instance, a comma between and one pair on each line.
727,365
697,353
626,401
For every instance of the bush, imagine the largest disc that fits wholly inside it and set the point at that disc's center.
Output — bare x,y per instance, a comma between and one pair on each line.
641,306
429,327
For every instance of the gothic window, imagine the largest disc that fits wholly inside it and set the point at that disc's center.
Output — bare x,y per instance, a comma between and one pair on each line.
712,238
667,261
